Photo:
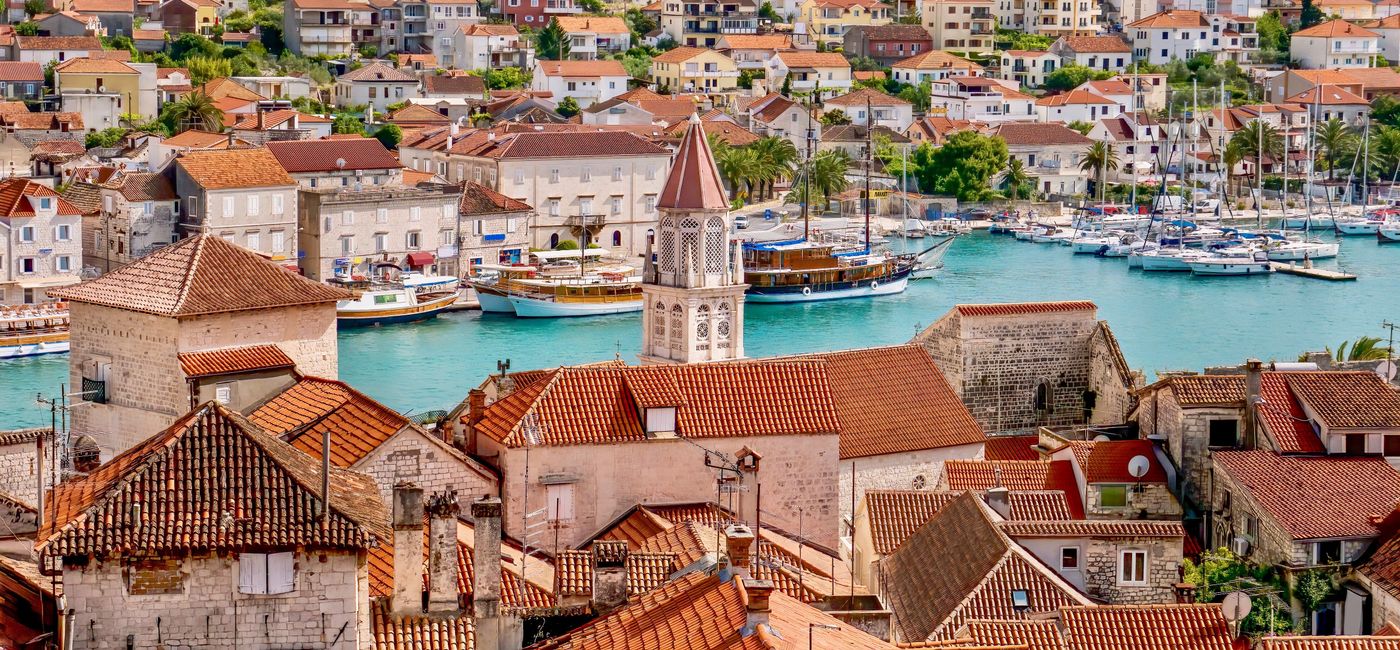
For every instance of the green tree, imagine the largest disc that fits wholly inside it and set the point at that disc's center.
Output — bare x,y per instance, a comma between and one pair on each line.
104,138
205,68
767,11
828,170
1335,142
1068,77
593,6
1273,34
195,111
33,8
390,135
1099,159
1082,127
737,166
347,123
27,28
920,96
1366,348
640,24
774,159
1017,180
835,117
568,107
504,78
1385,110
787,86
552,43
1385,150
638,65
187,45
1311,15
963,167
1251,140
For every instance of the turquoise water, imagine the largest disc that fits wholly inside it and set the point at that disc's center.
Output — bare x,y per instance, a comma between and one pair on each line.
1163,321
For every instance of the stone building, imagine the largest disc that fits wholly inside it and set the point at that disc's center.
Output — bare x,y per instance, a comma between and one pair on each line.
1024,365
138,214
19,465
1192,415
203,294
346,230
1102,470
494,230
1118,562
41,240
274,565
368,437
242,195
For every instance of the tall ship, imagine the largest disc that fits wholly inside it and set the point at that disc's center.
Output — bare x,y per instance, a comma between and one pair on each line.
32,330
412,297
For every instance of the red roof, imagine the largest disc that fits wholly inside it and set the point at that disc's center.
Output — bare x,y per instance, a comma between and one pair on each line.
1317,497
1329,643
693,182
233,360
21,71
302,156
1011,448
1107,461
1284,418
894,515
1147,627
19,198
1019,308
1016,475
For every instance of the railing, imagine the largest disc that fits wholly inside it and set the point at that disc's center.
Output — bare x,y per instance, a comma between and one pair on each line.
711,74
1364,48
585,220
95,391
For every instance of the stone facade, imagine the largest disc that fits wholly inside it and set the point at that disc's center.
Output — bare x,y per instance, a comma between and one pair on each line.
41,251
196,603
262,219
1271,544
915,470
374,223
136,355
127,230
18,473
798,473
1098,572
1186,437
1385,606
436,468
1003,365
1154,501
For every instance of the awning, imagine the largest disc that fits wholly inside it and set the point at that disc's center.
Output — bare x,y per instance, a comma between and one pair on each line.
50,282
420,258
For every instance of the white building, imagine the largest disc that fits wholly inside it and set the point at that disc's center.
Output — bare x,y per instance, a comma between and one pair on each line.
1027,67
585,81
980,99
487,46
1335,44
1171,35
377,85
1077,106
1051,154
809,71
866,104
446,18
935,65
1097,52
41,233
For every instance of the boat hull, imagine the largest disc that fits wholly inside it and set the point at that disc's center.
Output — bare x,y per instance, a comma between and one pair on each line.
1359,228
526,307
1166,263
34,345
1315,223
1388,235
882,287
1242,267
1321,252
494,301
408,314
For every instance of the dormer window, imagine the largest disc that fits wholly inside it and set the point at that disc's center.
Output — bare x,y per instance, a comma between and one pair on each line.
1020,599
661,421
45,203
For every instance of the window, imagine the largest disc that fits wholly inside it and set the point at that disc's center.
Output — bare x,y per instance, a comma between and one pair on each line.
347,218
617,173
381,242
651,203
510,225
266,573
1392,445
347,245
62,232
1327,552
26,265
46,203
63,263
1020,599
253,204
1069,558
586,176
254,241
553,209
276,204
1113,496
381,215
560,501
411,240
1224,433
279,241
228,206
554,175
223,392
1356,444
519,177
26,234
1132,567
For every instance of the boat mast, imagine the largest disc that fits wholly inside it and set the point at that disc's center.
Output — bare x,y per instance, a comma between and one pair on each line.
1132,163
1188,126
807,175
869,163
1259,170
1365,166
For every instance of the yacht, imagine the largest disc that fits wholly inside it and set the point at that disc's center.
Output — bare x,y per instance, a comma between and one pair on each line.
1168,259
1360,226
1310,221
1095,244
1232,261
1297,251
32,330
413,297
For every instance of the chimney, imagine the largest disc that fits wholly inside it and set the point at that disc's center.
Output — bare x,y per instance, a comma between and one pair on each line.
476,410
454,128
609,576
738,546
442,553
757,593
262,118
999,499
407,598
1253,379
230,138
486,573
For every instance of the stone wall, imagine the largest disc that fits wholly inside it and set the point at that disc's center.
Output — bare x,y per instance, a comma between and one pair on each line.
1194,465
1385,606
410,456
18,469
1097,574
1272,544
1110,379
943,343
798,473
196,604
1155,501
306,333
915,470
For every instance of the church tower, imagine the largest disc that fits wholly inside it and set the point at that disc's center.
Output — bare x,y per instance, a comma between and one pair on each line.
694,287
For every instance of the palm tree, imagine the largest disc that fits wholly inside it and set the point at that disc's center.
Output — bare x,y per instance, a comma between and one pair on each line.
776,158
1251,140
1015,178
197,111
1366,348
1385,150
828,170
1335,141
1099,159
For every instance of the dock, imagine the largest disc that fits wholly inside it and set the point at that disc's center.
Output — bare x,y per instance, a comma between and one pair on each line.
1320,274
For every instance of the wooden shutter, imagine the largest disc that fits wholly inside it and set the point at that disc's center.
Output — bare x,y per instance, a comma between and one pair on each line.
252,573
281,573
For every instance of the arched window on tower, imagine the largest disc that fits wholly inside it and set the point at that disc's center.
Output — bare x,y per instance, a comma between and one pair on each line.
617,239
1044,397
702,323
677,321
714,246
723,325
666,253
658,321
690,247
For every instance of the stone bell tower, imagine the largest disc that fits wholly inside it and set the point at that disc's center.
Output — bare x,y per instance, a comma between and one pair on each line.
694,288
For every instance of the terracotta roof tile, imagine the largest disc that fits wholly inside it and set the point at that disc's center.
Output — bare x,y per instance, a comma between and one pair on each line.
590,405
455,85
235,168
561,144
893,31
532,595
196,139
480,199
419,632
143,186
190,278
234,360
274,119
701,611
225,88
606,68
1021,308
1329,643
304,156
859,97
1034,635
1347,400
680,54
1336,29
573,572
813,60
90,43
87,197
1011,448
1208,390
378,71
937,60
959,567
18,195
1097,528
693,182
757,41
303,413
25,121
1317,497
1177,19
1039,505
94,66
596,24
1382,565
1016,475
1330,96
1107,461
774,108
1147,627
1042,134
181,484
21,71
1096,44
894,515
1284,419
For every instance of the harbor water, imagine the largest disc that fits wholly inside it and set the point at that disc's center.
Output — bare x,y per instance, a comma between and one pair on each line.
1162,320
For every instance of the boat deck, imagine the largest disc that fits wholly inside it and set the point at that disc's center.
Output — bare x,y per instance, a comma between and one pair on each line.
1320,274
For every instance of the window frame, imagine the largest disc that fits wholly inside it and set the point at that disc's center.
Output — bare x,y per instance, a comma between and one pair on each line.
1141,580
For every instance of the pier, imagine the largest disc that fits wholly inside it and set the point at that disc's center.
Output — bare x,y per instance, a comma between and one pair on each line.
1308,272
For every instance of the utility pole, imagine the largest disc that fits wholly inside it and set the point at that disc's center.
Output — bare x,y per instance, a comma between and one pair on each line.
1390,347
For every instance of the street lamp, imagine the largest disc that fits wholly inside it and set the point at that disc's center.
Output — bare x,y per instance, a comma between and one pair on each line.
813,627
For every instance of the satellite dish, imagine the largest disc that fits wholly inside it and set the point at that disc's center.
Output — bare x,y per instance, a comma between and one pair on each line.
1236,606
1138,466
340,163
1386,369
1102,438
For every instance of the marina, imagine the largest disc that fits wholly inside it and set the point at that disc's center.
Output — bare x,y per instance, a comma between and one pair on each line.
1164,321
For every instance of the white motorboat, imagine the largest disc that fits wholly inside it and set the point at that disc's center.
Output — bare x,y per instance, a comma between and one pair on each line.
1389,232
1094,244
32,330
1169,259
415,297
1310,221
1297,251
1240,261
1354,226
1126,249
914,229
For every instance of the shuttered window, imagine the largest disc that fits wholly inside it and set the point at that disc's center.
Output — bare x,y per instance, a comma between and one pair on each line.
266,573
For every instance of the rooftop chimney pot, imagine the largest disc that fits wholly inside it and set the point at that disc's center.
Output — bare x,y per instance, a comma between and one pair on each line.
407,598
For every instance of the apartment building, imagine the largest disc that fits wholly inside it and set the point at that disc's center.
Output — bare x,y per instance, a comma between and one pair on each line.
1181,34
489,46
376,85
694,69
701,23
586,82
981,99
314,27
828,20
934,65
961,25
827,73
535,14
241,195
1027,67
1335,44
1062,17
594,37
446,18
40,241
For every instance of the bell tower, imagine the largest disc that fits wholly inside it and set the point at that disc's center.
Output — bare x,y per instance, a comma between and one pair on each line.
693,288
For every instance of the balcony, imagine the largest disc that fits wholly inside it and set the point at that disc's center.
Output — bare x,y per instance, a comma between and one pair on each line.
978,28
561,7
1354,48
95,391
711,74
586,220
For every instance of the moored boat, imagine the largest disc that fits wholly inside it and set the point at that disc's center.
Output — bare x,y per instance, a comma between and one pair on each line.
415,297
591,295
1242,262
32,330
1389,233
801,271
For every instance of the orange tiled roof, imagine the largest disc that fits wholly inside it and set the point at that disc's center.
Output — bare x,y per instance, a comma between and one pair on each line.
1207,390
1107,461
183,483
1176,19
693,182
1348,400
232,360
378,71
1020,308
191,277
1094,528
813,60
197,139
302,156
1330,96
17,198
304,412
480,199
1285,422
937,60
1329,643
573,572
94,66
1096,44
1039,505
680,54
1317,497
959,567
225,88
234,168
532,595
1016,475
860,97
1011,448
1034,635
595,24
702,611
273,119
420,632
591,405
582,68
1336,29
89,43
1382,565
894,515
758,41
1146,627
